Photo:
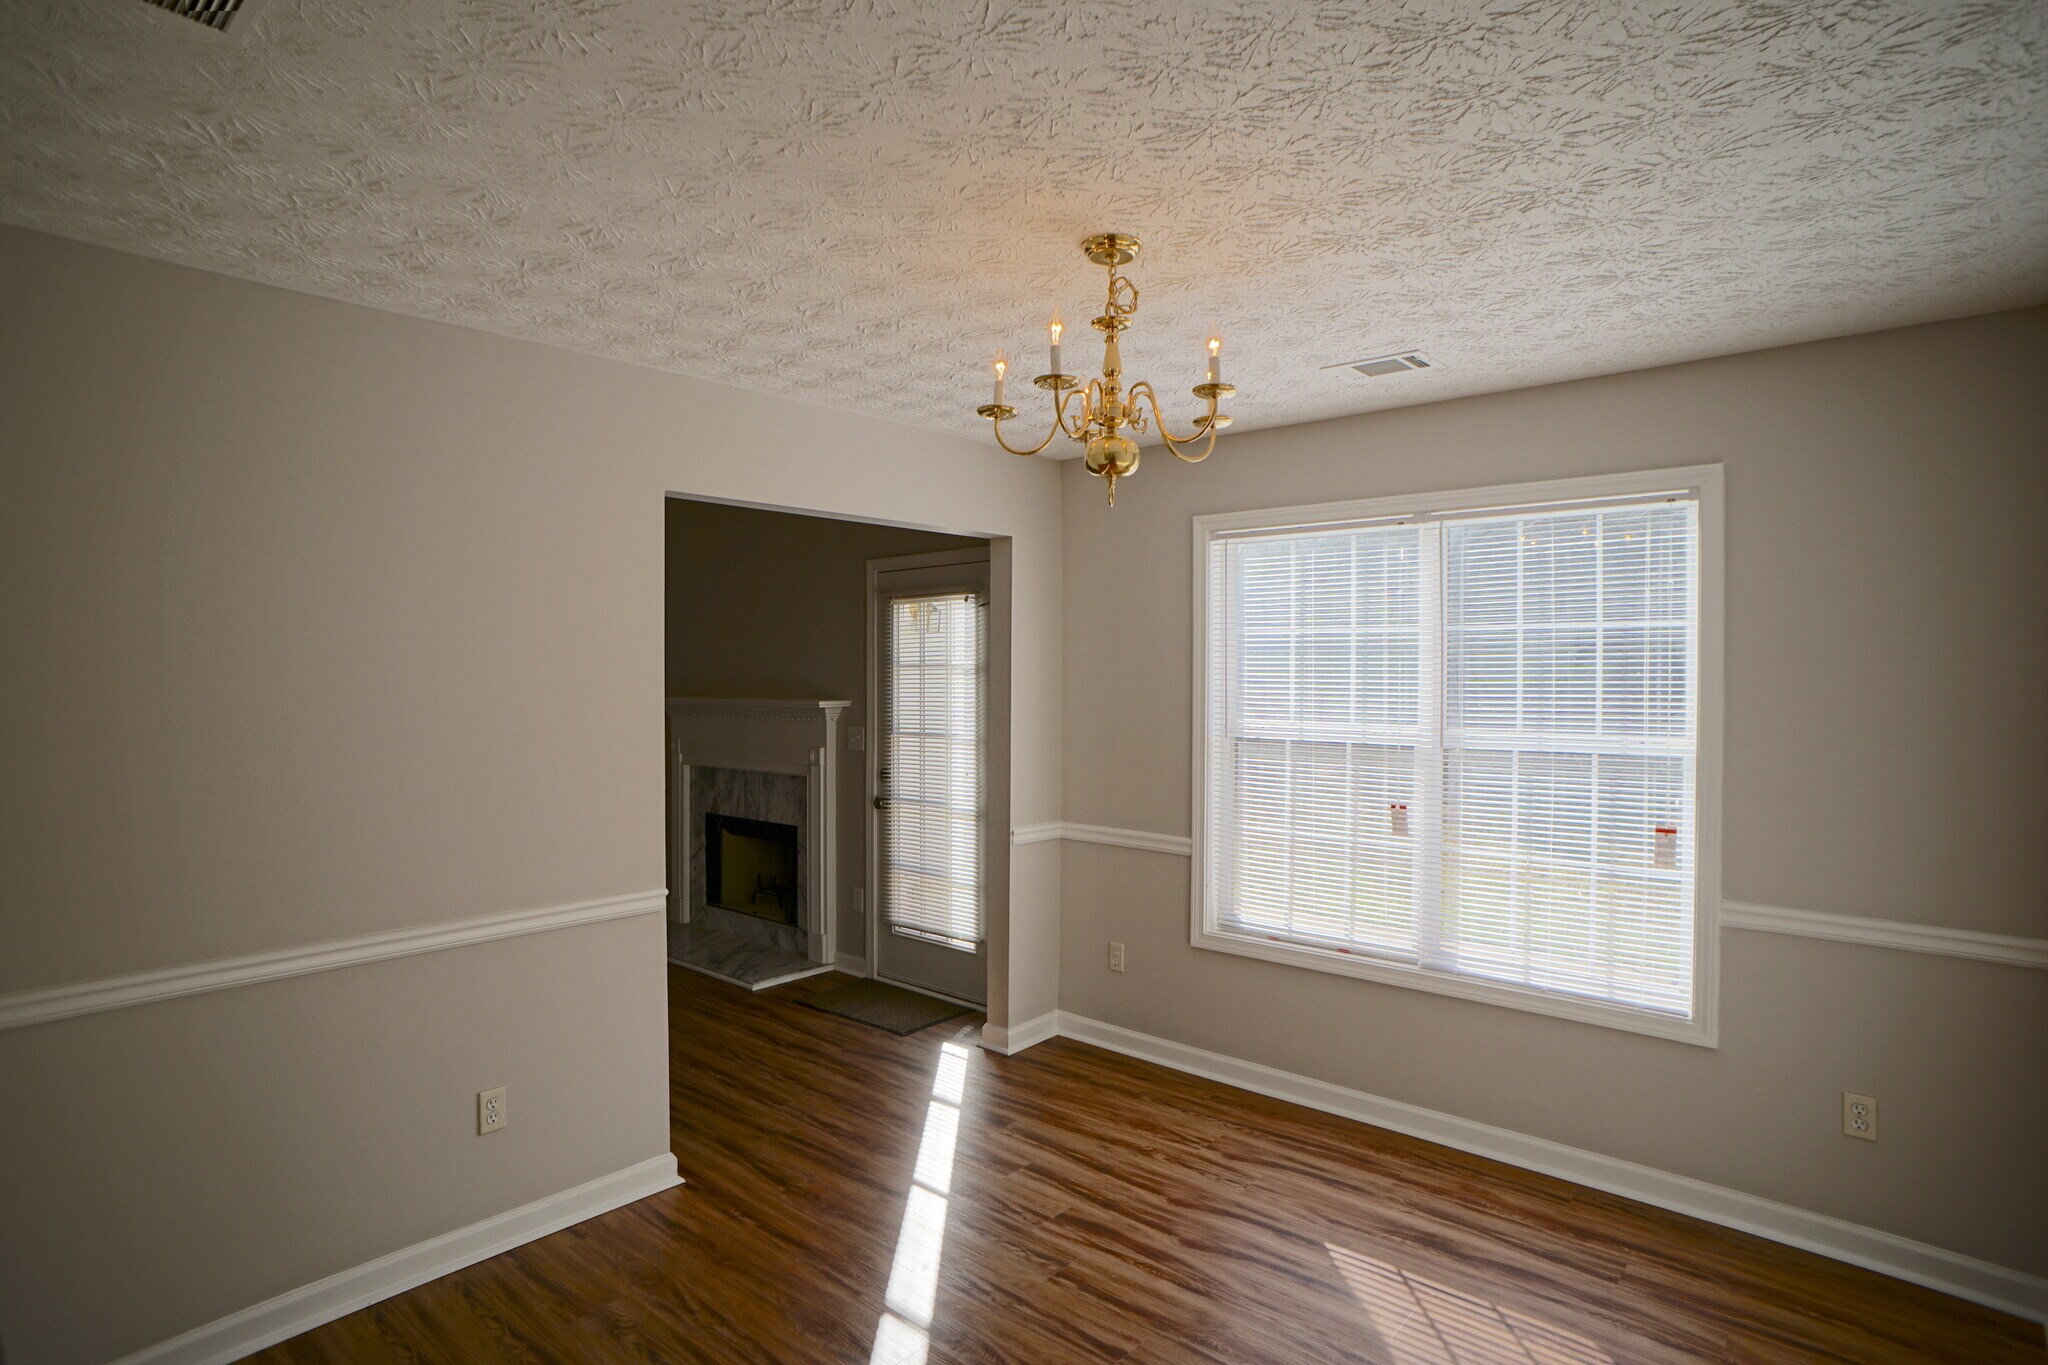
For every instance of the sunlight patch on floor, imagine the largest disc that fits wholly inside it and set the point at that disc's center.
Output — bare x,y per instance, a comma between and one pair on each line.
903,1335
1423,1322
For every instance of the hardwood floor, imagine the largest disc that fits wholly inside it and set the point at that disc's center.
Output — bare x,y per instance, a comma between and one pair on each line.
855,1196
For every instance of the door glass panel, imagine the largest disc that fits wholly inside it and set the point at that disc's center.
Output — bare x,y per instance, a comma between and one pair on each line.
935,683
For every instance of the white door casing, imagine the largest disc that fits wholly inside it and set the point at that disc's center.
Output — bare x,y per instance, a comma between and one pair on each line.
910,944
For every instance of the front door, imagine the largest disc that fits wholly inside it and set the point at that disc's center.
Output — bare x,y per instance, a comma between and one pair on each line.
931,765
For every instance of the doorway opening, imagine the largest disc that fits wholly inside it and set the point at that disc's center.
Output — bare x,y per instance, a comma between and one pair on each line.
790,853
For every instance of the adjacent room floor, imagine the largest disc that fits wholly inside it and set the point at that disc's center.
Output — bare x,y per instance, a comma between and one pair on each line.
857,1196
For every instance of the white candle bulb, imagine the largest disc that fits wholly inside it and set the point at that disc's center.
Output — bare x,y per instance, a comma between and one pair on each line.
1055,327
1215,360
1002,367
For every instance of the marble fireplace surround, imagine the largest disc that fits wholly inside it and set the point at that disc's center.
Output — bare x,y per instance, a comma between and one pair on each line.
765,760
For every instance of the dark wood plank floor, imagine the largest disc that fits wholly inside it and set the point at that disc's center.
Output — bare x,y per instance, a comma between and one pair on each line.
854,1196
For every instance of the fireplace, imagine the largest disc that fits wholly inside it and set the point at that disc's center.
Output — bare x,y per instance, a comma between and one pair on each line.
750,867
752,833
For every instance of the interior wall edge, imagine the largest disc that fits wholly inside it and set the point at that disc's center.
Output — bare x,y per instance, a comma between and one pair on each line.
1010,1041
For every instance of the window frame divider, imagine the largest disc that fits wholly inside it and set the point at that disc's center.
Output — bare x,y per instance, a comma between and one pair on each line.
1429,762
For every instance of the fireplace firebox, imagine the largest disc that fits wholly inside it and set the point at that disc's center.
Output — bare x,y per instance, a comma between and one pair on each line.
750,866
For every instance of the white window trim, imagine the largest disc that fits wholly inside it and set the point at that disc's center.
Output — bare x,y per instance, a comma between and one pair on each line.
1705,483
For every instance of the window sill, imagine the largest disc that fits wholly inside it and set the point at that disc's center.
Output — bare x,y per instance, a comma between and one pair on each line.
1463,988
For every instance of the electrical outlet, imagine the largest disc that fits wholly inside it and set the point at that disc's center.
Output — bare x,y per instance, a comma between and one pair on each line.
1859,1116
1116,957
490,1110
857,738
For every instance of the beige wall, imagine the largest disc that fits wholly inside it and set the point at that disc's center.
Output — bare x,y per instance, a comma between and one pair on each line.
320,621
173,1163
765,604
1887,653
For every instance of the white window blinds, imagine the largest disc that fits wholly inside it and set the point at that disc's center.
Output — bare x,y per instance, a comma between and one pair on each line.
934,681
1464,742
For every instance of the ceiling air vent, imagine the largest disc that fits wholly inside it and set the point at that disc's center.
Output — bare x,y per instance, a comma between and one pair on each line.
215,14
1379,366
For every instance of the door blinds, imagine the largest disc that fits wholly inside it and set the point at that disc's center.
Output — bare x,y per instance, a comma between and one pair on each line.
934,680
1464,742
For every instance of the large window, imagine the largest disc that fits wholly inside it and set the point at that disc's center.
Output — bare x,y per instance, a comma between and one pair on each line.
1464,743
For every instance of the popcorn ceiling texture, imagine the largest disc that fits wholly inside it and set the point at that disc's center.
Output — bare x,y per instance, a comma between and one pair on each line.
856,203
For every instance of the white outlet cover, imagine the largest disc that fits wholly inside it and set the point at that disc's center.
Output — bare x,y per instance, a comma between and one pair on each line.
1859,1116
490,1110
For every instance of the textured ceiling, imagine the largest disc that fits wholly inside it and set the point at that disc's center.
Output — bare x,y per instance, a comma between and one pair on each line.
858,201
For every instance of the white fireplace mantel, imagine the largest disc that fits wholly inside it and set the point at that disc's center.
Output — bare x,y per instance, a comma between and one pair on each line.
797,737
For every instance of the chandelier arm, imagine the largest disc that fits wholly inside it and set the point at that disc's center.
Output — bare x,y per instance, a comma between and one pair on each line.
996,425
1208,444
1174,443
1091,407
1078,429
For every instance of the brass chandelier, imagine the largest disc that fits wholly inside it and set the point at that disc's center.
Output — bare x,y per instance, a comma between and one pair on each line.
1095,416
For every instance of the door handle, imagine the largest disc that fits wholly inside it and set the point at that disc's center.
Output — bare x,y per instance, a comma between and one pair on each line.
881,803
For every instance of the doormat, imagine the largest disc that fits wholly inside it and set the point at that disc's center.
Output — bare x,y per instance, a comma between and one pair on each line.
886,1007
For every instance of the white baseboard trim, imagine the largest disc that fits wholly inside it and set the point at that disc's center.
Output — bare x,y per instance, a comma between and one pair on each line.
1013,1040
19,1009
852,965
300,1310
1964,1276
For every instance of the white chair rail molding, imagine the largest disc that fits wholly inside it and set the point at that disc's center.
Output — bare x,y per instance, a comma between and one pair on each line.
2012,950
20,1009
